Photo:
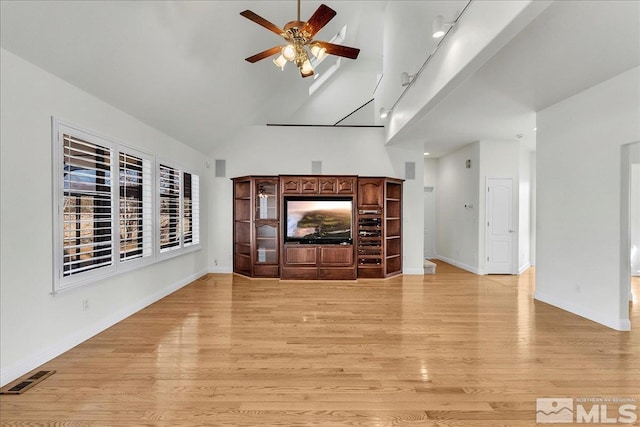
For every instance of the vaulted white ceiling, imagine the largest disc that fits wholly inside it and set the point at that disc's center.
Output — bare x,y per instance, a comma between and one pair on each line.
179,65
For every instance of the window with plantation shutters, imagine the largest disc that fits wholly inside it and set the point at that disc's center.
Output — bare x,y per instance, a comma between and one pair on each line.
87,206
195,209
191,202
116,208
179,209
135,200
170,198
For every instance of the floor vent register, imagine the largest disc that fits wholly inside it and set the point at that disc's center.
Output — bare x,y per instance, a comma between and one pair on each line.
27,383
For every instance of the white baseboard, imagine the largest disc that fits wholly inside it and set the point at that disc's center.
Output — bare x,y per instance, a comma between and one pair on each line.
617,324
524,268
220,270
460,265
408,271
12,372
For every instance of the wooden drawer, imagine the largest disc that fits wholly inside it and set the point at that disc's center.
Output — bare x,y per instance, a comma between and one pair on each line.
370,272
347,273
300,273
266,271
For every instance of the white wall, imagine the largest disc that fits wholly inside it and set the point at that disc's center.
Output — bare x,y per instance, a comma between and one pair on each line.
524,211
272,150
430,176
580,261
36,326
634,206
533,210
430,181
457,235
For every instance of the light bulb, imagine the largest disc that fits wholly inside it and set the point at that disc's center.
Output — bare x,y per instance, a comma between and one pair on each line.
384,113
318,51
438,26
289,52
306,69
280,62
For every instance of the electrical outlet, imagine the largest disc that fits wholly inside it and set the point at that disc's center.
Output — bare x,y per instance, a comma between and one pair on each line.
215,262
85,305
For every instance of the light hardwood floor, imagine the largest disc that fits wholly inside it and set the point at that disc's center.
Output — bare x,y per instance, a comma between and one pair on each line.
446,349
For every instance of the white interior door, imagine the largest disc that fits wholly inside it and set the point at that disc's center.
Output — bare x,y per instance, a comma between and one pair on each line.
500,231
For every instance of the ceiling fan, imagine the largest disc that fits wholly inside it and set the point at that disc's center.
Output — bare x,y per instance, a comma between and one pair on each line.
299,38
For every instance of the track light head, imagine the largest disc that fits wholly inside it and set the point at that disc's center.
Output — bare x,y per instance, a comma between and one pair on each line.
406,78
439,25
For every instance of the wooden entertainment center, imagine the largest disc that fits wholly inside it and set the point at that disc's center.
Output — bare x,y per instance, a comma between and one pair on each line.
264,248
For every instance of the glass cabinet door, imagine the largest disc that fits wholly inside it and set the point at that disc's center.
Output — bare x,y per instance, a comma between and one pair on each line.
266,200
266,244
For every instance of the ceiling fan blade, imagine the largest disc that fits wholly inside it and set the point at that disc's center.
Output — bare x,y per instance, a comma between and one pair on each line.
264,54
319,19
339,50
261,21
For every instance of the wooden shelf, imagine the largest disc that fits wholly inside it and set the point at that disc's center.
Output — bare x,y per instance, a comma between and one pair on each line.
256,226
379,213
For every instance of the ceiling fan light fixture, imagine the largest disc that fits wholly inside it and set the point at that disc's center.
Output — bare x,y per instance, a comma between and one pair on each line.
280,62
300,45
289,52
318,51
306,69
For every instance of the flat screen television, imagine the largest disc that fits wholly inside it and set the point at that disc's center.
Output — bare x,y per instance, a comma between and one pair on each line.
326,220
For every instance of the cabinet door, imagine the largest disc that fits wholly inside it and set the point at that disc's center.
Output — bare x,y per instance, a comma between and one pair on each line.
266,248
370,193
300,255
266,199
336,256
